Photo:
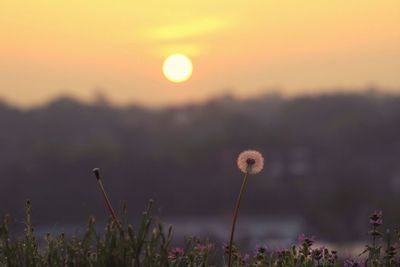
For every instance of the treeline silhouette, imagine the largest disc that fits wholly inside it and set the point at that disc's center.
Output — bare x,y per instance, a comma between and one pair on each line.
330,159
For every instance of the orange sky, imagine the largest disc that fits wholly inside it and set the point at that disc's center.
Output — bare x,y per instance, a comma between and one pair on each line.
50,48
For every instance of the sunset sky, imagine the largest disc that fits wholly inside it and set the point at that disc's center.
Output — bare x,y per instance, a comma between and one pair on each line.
77,48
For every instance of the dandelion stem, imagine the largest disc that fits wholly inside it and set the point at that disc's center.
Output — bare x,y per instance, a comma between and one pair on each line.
235,214
96,172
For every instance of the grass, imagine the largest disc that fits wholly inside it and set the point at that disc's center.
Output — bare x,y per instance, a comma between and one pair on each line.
150,245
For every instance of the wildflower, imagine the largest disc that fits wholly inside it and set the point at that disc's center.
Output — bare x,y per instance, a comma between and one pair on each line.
175,253
376,218
260,252
260,249
302,239
317,254
353,263
391,251
226,248
250,161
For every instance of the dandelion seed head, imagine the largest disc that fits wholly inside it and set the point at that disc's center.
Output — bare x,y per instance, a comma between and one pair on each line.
250,161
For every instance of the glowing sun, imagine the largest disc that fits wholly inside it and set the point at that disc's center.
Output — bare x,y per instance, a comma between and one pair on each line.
177,68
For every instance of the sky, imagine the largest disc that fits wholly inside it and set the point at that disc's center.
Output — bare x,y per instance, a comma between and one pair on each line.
52,48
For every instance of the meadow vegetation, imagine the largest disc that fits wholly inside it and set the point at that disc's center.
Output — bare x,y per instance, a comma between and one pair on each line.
150,244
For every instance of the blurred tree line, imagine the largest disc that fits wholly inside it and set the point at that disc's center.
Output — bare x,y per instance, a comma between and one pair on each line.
330,159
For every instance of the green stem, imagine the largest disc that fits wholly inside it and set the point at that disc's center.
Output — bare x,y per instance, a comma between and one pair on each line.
374,243
235,214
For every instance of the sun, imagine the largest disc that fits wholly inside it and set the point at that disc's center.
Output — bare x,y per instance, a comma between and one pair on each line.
177,68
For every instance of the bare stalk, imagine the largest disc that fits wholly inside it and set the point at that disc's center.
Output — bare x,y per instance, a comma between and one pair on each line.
96,172
235,214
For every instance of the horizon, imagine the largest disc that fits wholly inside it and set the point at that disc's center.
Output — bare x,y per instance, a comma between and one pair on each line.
101,98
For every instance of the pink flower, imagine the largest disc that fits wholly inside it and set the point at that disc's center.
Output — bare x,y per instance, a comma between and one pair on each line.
175,253
250,161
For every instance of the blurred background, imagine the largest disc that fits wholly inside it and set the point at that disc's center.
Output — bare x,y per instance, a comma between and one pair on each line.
313,85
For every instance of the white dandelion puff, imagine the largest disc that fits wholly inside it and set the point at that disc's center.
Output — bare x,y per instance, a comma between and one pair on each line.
250,161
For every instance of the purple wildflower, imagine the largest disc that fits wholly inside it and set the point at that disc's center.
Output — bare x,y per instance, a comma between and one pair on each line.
376,218
261,249
302,239
317,254
354,263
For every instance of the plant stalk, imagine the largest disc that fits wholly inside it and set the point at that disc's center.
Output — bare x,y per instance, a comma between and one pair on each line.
235,214
107,200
